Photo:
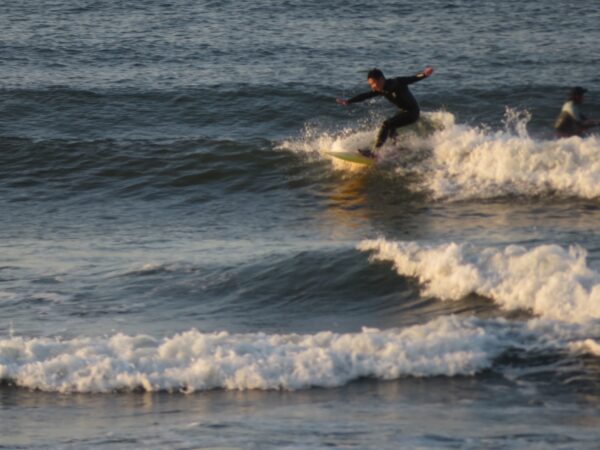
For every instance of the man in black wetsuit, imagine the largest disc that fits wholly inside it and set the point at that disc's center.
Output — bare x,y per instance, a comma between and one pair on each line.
396,91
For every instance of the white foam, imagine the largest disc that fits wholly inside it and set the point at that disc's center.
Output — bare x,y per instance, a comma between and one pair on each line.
469,162
168,267
589,346
194,361
316,144
549,280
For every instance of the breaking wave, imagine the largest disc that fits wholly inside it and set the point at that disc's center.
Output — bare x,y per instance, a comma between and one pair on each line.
455,161
548,280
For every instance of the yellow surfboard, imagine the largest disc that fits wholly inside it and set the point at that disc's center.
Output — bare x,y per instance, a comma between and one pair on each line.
353,157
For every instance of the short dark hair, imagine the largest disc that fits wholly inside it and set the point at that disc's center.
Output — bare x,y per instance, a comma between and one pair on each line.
376,74
577,91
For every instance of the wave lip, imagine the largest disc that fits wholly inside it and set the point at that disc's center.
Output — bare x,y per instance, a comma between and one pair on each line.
195,361
548,280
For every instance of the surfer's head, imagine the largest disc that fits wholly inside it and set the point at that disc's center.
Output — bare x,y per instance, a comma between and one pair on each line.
376,80
576,94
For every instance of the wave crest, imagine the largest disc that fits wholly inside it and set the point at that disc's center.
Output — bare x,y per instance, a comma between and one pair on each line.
548,280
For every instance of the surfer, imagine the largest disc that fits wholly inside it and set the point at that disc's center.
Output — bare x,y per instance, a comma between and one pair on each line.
571,122
396,91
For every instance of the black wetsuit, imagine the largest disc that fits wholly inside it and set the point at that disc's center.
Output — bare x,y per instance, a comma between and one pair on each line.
396,91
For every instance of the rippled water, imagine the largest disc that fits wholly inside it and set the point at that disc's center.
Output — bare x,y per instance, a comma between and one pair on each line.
184,266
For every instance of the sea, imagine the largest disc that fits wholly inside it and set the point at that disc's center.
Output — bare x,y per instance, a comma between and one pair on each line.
184,266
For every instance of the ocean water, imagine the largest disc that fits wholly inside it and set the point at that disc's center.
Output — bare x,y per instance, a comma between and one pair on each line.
183,266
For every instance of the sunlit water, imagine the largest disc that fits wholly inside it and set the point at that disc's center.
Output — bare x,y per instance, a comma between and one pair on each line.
184,266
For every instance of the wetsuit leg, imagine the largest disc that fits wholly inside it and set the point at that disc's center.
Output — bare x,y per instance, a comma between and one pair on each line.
388,129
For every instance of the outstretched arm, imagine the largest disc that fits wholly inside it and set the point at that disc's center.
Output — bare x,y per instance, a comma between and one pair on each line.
418,77
357,98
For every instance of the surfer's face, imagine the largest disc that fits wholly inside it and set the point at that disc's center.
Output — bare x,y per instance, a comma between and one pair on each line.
376,84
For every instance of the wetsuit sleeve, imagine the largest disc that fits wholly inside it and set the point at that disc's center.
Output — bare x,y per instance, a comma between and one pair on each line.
362,97
410,80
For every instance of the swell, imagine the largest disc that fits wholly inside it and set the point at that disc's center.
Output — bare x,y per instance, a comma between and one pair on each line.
59,167
224,287
235,111
298,285
291,289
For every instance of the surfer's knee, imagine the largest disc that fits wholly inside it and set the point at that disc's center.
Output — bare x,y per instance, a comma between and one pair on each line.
413,117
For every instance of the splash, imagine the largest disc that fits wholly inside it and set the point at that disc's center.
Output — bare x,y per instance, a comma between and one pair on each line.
477,163
316,144
452,161
552,282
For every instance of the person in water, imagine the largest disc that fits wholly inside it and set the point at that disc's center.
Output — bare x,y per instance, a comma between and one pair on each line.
571,122
396,91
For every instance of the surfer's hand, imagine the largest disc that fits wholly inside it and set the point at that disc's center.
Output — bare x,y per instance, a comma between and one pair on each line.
341,101
428,71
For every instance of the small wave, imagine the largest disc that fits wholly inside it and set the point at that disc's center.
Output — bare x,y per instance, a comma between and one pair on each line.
237,111
193,361
155,269
136,167
548,280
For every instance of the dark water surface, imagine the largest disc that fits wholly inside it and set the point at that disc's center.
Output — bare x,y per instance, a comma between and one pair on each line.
183,265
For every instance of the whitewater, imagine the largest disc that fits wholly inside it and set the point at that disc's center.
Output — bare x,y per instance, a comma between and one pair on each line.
457,162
